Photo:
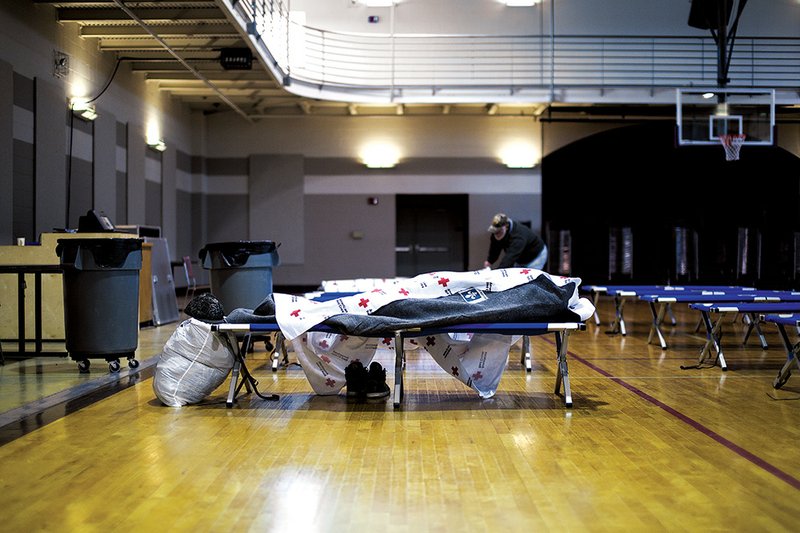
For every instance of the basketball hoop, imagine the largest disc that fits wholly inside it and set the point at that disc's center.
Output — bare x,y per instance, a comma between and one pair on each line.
732,144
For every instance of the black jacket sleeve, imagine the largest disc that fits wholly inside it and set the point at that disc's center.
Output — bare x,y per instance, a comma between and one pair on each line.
495,247
516,246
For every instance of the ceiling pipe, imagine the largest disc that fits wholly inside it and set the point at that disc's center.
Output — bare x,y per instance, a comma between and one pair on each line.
183,62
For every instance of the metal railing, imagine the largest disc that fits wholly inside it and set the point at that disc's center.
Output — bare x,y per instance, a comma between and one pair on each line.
393,65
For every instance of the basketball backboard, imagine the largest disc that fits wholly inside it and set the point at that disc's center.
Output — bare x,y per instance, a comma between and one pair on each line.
703,115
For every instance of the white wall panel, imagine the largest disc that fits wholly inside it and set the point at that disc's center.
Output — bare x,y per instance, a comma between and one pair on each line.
422,184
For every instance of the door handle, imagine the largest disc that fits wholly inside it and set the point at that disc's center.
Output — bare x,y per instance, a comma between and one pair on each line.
429,249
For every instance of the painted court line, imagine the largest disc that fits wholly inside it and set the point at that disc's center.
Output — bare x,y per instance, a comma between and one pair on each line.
756,460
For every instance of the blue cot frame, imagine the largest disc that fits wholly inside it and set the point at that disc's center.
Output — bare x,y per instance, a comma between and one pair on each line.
561,330
714,329
624,293
783,320
717,296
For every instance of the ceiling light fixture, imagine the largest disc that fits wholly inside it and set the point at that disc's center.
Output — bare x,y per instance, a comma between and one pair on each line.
158,145
518,155
380,155
82,109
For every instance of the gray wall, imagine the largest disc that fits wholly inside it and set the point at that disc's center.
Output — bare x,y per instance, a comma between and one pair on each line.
23,192
105,159
312,206
50,172
331,252
106,167
6,150
121,173
275,208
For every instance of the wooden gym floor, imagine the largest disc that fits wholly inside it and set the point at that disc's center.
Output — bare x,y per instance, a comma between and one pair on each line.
646,447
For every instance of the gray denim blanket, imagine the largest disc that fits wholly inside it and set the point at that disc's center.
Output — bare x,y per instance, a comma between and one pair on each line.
539,300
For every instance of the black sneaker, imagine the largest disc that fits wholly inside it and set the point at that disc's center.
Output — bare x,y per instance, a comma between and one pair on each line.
376,386
355,376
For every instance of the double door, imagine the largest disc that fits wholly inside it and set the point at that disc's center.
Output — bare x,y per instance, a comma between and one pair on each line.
431,233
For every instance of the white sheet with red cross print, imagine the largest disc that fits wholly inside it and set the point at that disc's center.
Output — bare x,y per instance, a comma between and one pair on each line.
296,315
476,360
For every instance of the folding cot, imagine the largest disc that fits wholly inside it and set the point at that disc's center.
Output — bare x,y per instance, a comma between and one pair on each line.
560,330
624,293
616,291
714,329
783,320
466,319
718,296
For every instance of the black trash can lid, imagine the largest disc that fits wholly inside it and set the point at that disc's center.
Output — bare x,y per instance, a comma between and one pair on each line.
253,247
106,252
236,253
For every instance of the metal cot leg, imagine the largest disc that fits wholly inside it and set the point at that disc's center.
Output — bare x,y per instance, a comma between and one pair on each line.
618,326
658,319
712,331
751,319
237,366
562,375
398,369
672,318
236,371
791,357
279,352
526,353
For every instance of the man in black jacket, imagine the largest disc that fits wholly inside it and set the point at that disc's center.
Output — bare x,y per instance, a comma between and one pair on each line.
521,245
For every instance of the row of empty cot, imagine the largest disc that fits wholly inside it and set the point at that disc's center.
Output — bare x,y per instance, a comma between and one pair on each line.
713,303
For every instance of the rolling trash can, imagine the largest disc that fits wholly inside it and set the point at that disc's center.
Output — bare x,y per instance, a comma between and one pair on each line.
240,272
101,299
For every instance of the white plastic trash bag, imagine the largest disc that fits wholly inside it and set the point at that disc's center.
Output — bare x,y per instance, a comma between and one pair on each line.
194,362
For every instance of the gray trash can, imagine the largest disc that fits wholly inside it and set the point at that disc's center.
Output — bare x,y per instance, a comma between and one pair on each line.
101,299
240,272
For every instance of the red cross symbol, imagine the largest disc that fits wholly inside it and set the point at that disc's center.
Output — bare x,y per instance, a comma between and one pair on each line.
295,313
330,382
323,343
443,282
403,292
431,341
525,270
363,302
454,370
326,358
387,341
477,375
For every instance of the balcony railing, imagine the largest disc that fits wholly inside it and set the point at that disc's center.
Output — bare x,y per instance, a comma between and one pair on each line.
439,66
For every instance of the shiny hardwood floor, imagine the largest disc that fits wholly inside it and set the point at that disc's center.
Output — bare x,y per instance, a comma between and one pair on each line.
646,447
